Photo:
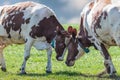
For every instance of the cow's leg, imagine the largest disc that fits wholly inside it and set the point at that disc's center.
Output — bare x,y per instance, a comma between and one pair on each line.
26,55
41,46
2,61
107,59
48,67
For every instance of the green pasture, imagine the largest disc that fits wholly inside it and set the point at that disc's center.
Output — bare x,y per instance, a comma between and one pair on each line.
85,68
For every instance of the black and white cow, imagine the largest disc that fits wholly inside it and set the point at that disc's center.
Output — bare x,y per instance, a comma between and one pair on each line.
99,27
31,24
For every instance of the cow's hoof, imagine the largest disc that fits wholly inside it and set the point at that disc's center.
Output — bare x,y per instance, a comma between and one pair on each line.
113,76
48,71
3,69
22,73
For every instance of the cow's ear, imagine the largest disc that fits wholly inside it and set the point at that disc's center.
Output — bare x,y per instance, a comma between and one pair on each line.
74,33
70,29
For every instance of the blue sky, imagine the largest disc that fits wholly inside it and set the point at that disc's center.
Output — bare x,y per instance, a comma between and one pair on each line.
67,11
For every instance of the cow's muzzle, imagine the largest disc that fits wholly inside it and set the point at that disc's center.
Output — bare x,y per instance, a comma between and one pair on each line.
70,63
59,58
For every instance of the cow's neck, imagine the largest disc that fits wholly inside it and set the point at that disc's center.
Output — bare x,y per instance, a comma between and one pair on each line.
54,24
83,35
46,28
83,38
50,26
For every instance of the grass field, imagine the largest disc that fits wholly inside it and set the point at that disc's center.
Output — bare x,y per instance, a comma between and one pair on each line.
85,68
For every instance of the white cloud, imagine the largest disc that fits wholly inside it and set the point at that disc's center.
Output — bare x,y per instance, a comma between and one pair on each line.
74,20
63,19
6,2
74,5
72,8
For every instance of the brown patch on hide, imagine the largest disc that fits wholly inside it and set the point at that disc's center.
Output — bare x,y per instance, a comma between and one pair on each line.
14,18
45,27
97,15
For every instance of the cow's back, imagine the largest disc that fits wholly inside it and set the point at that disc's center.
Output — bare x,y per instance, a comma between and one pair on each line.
16,21
105,22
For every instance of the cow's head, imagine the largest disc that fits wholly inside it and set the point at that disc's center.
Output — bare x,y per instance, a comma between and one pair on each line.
75,49
61,41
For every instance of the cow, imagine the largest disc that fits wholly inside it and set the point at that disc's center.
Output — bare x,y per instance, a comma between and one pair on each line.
99,27
32,24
